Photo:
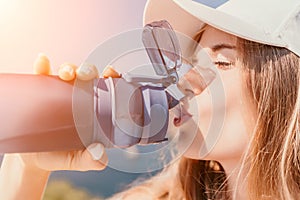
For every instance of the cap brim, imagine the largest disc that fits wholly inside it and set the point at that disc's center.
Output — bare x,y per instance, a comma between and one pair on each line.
198,14
180,20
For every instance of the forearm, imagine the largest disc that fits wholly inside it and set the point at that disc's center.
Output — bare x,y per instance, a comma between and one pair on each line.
19,181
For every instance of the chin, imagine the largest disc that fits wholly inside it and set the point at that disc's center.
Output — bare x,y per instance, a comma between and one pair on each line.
192,144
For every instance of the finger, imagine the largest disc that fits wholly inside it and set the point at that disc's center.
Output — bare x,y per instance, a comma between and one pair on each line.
92,158
96,154
67,71
87,72
109,71
41,65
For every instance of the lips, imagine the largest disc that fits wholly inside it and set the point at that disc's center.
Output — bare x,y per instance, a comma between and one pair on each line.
181,113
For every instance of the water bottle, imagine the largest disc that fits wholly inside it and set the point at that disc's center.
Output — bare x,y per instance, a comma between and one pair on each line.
42,113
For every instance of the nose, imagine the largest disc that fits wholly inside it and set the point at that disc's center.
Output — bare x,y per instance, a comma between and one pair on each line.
196,80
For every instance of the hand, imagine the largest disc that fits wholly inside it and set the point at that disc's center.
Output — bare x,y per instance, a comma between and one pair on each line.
75,160
26,175
92,158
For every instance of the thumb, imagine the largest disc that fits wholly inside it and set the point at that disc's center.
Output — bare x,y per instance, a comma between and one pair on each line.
92,158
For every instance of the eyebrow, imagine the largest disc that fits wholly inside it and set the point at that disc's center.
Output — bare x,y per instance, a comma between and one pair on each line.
218,47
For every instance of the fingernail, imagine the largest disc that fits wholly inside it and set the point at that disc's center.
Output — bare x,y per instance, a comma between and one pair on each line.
85,68
68,69
66,72
87,72
96,150
42,55
109,71
41,65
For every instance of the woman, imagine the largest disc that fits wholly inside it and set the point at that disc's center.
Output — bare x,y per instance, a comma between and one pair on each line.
257,54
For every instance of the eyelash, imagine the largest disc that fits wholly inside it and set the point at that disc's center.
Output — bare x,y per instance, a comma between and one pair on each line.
224,65
220,64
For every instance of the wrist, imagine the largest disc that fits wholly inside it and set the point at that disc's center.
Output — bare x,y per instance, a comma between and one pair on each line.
20,180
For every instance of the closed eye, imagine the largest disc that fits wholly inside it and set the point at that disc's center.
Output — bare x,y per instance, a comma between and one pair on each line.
224,65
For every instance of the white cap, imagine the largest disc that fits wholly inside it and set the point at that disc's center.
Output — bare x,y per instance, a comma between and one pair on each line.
273,22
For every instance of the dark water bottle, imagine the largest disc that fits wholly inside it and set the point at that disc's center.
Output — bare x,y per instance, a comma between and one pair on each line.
42,113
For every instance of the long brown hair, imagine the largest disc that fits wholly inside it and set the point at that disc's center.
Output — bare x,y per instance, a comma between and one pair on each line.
201,180
273,82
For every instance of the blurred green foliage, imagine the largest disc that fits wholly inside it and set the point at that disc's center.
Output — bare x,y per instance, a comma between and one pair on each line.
63,190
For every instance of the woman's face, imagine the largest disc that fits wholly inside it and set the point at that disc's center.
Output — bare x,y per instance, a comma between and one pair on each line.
223,118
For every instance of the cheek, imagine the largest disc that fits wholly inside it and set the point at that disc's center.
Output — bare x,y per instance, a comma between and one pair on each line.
222,130
205,111
234,136
249,108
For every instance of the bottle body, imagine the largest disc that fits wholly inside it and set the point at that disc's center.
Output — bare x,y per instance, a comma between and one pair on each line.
44,113
36,114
